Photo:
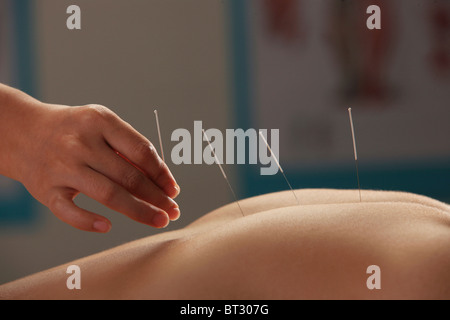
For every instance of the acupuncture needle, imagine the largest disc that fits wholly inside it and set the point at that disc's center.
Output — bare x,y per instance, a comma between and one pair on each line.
354,151
279,166
159,135
223,172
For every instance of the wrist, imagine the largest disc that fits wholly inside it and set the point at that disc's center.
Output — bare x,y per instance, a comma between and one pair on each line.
20,114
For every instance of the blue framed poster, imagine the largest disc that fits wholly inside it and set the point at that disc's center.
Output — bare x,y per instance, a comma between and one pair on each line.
298,65
16,69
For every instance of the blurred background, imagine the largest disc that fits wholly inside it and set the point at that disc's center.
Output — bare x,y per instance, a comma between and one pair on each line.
293,65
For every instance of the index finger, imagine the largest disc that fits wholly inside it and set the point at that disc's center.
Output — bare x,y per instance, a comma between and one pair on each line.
140,152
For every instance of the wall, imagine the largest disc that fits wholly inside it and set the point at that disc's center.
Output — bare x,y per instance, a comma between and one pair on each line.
132,56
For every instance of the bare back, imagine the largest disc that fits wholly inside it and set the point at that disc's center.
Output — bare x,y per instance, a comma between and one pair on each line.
320,249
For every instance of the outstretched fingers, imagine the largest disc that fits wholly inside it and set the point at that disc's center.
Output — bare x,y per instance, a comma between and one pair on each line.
100,188
65,209
120,171
134,147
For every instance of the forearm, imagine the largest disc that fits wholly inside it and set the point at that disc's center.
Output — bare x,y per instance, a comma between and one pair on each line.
18,112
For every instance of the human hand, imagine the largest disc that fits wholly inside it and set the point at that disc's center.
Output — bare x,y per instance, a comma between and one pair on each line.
70,150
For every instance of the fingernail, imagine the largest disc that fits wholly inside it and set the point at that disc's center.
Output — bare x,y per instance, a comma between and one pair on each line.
177,190
160,220
173,203
173,191
175,214
101,226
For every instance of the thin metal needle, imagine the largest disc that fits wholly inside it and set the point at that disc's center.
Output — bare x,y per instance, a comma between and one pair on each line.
223,172
354,151
279,166
159,135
